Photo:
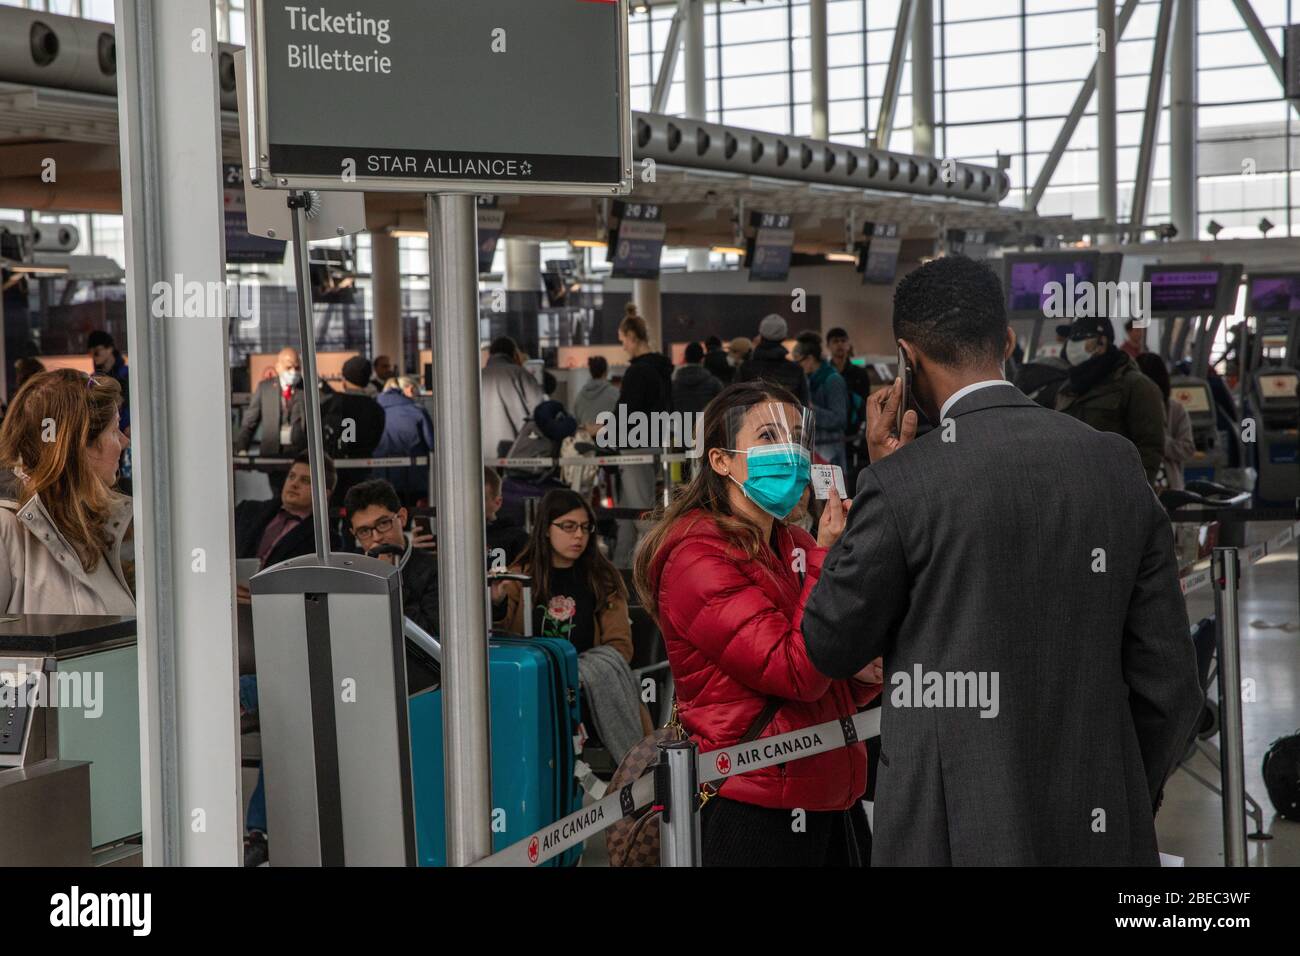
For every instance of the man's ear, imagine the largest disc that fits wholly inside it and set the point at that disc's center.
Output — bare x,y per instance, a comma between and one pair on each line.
401,517
1011,343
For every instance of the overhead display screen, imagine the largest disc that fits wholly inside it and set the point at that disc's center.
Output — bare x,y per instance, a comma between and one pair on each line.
435,95
1029,276
1274,295
1184,291
638,243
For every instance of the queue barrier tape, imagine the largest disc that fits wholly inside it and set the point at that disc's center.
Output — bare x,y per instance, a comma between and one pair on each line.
1254,554
569,831
577,461
404,461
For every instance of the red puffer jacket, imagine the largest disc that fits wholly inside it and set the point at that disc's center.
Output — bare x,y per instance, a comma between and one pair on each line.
731,628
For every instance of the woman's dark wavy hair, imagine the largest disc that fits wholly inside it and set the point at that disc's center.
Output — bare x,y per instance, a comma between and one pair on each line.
707,490
535,559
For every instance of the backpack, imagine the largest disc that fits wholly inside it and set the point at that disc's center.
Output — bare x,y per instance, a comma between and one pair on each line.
1282,776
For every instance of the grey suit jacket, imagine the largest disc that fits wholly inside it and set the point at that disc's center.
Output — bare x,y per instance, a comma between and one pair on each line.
1030,548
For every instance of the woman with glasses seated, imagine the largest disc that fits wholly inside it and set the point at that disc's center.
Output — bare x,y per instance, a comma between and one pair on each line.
576,593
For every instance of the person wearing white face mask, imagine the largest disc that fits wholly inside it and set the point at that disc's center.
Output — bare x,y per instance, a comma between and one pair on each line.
1108,391
277,406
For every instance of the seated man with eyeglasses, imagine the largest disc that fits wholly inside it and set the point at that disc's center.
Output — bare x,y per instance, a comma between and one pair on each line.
378,522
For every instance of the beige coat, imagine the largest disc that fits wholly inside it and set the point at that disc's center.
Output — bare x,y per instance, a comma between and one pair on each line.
40,572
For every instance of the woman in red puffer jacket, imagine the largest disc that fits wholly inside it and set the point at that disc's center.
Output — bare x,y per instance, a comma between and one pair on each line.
726,579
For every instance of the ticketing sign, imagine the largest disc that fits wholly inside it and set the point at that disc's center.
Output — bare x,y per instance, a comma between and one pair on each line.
489,96
638,242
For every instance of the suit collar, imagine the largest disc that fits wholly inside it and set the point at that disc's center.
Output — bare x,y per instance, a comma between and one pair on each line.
995,396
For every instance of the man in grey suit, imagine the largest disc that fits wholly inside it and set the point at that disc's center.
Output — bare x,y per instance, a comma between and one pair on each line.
1017,575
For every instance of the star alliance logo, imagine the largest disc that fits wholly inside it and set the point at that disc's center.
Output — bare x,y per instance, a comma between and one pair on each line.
525,168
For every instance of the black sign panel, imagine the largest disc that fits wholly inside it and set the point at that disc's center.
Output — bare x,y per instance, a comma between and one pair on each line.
501,96
491,221
768,252
878,254
243,248
638,242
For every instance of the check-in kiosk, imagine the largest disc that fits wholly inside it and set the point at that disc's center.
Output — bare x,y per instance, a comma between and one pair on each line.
1211,444
1276,407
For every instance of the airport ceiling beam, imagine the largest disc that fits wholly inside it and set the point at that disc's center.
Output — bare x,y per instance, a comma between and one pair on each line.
180,434
1151,117
1072,118
668,62
1264,42
894,76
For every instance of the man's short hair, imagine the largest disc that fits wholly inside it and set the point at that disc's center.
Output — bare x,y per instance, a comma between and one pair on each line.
503,345
954,310
331,473
694,352
598,366
836,333
491,480
99,338
712,342
376,491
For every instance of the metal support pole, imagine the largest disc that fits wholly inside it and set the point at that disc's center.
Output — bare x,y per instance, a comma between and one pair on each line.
677,790
818,60
310,378
1076,113
1182,121
1151,120
668,62
462,546
1226,572
1107,136
894,76
923,78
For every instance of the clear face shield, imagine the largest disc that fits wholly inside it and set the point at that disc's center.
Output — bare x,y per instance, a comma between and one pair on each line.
769,453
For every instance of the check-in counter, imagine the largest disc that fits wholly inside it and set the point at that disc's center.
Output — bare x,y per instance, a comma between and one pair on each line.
69,766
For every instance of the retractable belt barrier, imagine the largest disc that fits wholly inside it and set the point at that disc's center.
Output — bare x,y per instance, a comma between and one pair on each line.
721,764
588,461
403,461
1253,554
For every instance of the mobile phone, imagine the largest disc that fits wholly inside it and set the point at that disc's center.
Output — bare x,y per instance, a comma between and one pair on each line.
905,373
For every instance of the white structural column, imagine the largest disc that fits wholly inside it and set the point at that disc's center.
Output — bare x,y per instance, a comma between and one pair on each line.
923,78
1182,121
1107,168
645,294
386,293
697,107
821,106
170,138
523,265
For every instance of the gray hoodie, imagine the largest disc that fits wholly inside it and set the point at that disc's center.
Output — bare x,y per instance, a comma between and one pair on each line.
593,398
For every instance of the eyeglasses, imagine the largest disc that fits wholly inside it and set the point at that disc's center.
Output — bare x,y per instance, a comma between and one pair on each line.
382,526
569,527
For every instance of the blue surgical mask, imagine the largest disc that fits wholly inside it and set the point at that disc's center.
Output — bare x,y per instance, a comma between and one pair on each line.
777,476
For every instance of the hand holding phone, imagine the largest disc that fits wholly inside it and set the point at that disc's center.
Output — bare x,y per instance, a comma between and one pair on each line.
905,376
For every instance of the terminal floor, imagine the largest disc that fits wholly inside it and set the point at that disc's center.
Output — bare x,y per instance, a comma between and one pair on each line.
1190,823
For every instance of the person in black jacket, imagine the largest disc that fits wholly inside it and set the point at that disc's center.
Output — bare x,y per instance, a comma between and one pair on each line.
769,362
715,360
378,522
647,390
352,422
859,383
281,528
693,385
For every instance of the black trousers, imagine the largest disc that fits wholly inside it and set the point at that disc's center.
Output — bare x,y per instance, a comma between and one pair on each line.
742,834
